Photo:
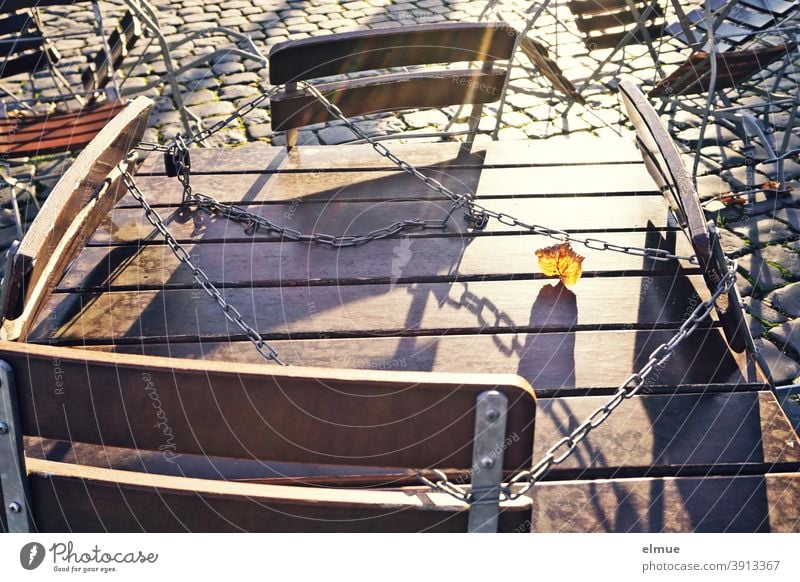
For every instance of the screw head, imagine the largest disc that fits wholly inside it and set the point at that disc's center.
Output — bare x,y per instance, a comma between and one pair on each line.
3,428
487,462
492,414
14,507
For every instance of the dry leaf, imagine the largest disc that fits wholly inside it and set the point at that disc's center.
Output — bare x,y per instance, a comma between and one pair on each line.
732,199
775,186
560,260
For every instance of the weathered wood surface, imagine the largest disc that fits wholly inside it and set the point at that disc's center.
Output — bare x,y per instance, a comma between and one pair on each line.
153,266
596,180
744,504
261,158
462,302
555,363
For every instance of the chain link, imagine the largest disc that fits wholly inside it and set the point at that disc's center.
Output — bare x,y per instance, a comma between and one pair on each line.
476,209
523,481
231,313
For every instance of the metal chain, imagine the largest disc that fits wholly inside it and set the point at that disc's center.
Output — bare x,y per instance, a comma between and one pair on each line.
203,135
477,210
231,313
523,481
520,483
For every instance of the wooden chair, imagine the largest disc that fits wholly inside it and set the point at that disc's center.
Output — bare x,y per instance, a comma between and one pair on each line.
370,430
665,166
325,56
24,134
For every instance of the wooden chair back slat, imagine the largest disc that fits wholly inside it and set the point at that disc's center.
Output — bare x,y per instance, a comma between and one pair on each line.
585,8
13,5
74,207
393,92
324,56
733,67
76,498
297,415
664,164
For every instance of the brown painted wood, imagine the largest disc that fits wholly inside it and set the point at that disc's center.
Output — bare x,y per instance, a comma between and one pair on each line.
666,167
366,310
73,209
32,136
594,7
590,214
734,67
84,499
261,158
385,48
746,504
676,434
361,186
601,21
118,268
25,63
293,109
302,415
556,363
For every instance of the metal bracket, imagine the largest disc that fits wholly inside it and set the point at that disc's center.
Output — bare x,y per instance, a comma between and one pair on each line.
13,475
491,409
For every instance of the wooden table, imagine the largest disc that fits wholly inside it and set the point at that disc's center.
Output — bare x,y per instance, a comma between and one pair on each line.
461,300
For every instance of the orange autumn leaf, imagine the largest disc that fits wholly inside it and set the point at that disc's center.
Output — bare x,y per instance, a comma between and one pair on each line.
775,186
560,260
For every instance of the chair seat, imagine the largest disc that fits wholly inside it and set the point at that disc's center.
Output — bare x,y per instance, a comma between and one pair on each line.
59,133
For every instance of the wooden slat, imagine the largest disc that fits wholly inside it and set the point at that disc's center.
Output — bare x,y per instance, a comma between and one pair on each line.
299,108
687,504
590,180
676,434
127,225
323,56
72,211
69,498
12,5
55,133
667,169
367,310
301,415
775,7
388,261
734,67
262,158
26,63
593,7
555,363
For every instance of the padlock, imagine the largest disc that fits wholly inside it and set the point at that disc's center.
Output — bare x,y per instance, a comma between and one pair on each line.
171,158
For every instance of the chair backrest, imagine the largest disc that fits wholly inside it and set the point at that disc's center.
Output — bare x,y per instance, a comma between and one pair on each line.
337,54
601,20
23,47
694,75
80,199
292,415
665,166
98,74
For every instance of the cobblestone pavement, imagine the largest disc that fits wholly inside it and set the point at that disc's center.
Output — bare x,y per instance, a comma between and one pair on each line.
764,233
